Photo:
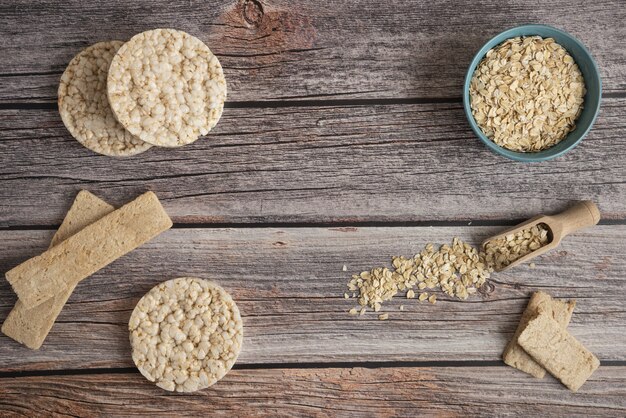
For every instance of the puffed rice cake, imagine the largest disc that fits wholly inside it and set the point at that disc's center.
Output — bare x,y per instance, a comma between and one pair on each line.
185,334
84,106
166,87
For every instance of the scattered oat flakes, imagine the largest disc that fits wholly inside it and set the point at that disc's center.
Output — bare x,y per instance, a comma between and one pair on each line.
458,269
527,93
432,299
344,268
401,307
352,311
532,265
383,317
346,296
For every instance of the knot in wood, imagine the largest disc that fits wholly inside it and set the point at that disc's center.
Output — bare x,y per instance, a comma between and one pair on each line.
487,289
252,12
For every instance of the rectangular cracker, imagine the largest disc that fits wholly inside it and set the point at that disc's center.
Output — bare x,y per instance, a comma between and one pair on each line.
558,351
86,209
89,250
561,312
31,326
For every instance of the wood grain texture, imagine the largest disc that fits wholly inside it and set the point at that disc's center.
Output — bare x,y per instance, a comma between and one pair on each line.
338,113
289,285
403,163
354,392
277,50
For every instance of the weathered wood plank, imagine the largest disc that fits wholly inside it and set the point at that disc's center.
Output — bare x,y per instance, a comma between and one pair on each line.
324,164
353,392
279,49
289,285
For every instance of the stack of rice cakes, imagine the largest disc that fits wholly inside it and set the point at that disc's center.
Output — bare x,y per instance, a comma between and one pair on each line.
164,87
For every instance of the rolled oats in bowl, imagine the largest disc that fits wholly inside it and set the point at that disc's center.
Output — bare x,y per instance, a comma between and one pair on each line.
166,87
527,93
185,334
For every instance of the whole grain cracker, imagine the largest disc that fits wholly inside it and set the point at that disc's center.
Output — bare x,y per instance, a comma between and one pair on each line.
166,87
185,334
90,249
550,345
84,106
559,310
31,326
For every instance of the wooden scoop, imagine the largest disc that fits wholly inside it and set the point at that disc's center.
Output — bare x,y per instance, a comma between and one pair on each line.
582,215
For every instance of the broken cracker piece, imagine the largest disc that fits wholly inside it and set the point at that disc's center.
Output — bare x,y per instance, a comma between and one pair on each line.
561,312
558,351
89,250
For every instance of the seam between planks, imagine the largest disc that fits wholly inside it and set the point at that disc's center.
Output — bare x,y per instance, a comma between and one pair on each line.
270,104
288,366
339,224
301,103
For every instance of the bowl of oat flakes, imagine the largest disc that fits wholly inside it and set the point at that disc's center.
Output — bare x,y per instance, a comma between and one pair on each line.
532,93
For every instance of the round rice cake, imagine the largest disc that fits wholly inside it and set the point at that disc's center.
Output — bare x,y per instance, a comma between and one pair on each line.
185,334
166,87
84,106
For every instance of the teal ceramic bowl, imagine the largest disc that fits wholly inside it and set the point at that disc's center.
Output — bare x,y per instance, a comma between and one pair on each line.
589,71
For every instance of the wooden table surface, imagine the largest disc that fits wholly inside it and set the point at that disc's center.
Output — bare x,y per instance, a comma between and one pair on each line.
343,142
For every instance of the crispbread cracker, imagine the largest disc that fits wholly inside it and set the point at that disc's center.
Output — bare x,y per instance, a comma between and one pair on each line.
558,351
86,209
89,250
84,106
185,334
560,310
31,326
166,87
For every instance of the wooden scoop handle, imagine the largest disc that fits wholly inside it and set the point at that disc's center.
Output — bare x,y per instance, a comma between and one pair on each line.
582,215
